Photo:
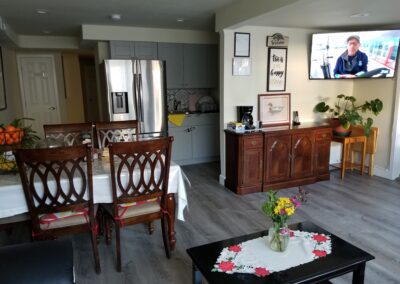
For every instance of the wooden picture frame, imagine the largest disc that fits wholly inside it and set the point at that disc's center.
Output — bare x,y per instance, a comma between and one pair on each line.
242,45
276,75
3,101
274,109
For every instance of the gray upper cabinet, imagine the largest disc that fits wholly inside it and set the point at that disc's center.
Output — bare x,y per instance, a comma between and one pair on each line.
121,50
172,53
190,65
146,50
195,65
130,49
212,66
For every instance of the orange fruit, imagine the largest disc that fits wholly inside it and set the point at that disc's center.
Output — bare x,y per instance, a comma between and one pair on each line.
9,128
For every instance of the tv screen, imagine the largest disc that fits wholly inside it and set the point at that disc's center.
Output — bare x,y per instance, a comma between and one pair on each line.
348,55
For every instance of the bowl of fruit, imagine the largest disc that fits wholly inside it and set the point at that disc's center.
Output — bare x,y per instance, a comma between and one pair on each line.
14,135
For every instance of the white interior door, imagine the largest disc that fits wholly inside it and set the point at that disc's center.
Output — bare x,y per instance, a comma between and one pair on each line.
39,91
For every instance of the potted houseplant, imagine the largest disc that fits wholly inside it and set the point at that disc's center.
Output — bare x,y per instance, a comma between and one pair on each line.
348,112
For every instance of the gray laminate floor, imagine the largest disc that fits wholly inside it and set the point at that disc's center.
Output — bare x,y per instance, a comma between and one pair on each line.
362,210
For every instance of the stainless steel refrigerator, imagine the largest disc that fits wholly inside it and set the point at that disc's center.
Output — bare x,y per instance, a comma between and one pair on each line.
136,90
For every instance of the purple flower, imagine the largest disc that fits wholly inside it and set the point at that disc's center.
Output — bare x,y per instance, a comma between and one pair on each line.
283,211
295,202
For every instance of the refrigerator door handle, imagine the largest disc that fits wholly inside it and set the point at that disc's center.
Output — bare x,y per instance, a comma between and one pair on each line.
137,80
140,97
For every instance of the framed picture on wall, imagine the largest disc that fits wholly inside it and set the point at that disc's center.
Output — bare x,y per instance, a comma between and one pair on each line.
274,109
242,45
276,76
3,102
241,66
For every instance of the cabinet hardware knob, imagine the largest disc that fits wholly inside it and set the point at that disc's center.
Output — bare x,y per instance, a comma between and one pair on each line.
253,142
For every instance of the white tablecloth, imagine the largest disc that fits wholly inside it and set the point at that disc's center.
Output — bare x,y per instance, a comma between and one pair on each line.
12,199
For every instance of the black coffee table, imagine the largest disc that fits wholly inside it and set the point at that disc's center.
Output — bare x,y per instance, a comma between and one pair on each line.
344,258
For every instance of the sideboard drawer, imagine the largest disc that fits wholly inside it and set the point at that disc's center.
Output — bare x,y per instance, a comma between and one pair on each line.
253,142
323,135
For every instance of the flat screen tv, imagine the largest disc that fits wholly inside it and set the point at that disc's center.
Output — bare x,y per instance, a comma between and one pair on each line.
349,55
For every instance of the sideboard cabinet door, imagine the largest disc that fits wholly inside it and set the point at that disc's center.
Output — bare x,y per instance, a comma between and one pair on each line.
277,157
302,155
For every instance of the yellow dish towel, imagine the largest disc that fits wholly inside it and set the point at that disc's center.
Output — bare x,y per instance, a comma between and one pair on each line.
177,119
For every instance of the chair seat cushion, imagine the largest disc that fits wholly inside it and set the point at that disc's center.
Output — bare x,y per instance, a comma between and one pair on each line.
129,204
143,209
65,219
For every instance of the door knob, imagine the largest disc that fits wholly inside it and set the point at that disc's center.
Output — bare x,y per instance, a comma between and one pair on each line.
52,108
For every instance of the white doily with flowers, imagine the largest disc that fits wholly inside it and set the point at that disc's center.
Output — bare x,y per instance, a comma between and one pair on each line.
256,257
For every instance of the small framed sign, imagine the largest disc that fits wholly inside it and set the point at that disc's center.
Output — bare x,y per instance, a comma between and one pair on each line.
242,45
274,109
276,77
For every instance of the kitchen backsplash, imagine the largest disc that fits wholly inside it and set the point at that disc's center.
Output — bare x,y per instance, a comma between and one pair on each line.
187,99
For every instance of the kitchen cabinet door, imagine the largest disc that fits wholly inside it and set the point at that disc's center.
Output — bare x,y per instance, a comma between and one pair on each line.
205,141
121,49
195,65
212,66
172,53
277,156
146,50
182,145
302,155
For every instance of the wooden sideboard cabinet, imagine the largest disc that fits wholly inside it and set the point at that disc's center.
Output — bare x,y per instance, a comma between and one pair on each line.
275,158
244,162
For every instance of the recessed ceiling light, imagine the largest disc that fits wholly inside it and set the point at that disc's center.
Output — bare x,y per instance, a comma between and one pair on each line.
42,11
180,20
359,15
115,17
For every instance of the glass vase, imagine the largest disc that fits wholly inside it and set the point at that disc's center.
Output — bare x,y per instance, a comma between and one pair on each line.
278,236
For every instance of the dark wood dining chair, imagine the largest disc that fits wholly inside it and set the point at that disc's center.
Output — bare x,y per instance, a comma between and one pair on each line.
70,134
139,175
58,188
116,131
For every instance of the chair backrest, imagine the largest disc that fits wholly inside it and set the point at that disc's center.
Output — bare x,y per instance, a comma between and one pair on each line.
140,169
71,134
56,180
371,140
116,131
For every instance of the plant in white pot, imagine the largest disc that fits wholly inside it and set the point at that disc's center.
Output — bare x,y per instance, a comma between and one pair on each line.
348,113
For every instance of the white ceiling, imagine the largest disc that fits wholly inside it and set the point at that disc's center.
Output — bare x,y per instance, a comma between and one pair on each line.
66,17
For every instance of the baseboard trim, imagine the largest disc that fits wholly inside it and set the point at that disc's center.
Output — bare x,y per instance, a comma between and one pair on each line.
222,179
384,173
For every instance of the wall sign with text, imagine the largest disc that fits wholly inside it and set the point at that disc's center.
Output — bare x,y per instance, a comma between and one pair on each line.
276,77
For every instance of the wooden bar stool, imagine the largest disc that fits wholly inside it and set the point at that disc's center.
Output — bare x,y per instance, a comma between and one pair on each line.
370,148
347,142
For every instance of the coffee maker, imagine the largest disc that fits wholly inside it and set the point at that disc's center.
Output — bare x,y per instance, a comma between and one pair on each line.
245,117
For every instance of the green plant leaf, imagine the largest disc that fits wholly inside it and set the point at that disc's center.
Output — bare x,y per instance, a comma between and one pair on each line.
321,107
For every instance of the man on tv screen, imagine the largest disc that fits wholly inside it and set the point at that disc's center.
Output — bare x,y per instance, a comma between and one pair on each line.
352,61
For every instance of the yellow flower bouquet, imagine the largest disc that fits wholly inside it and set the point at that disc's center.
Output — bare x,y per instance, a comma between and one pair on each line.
280,209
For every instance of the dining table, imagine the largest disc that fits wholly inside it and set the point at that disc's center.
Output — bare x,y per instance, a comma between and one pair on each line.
12,198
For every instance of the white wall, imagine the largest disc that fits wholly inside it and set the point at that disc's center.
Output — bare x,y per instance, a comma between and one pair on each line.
384,90
243,90
14,108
